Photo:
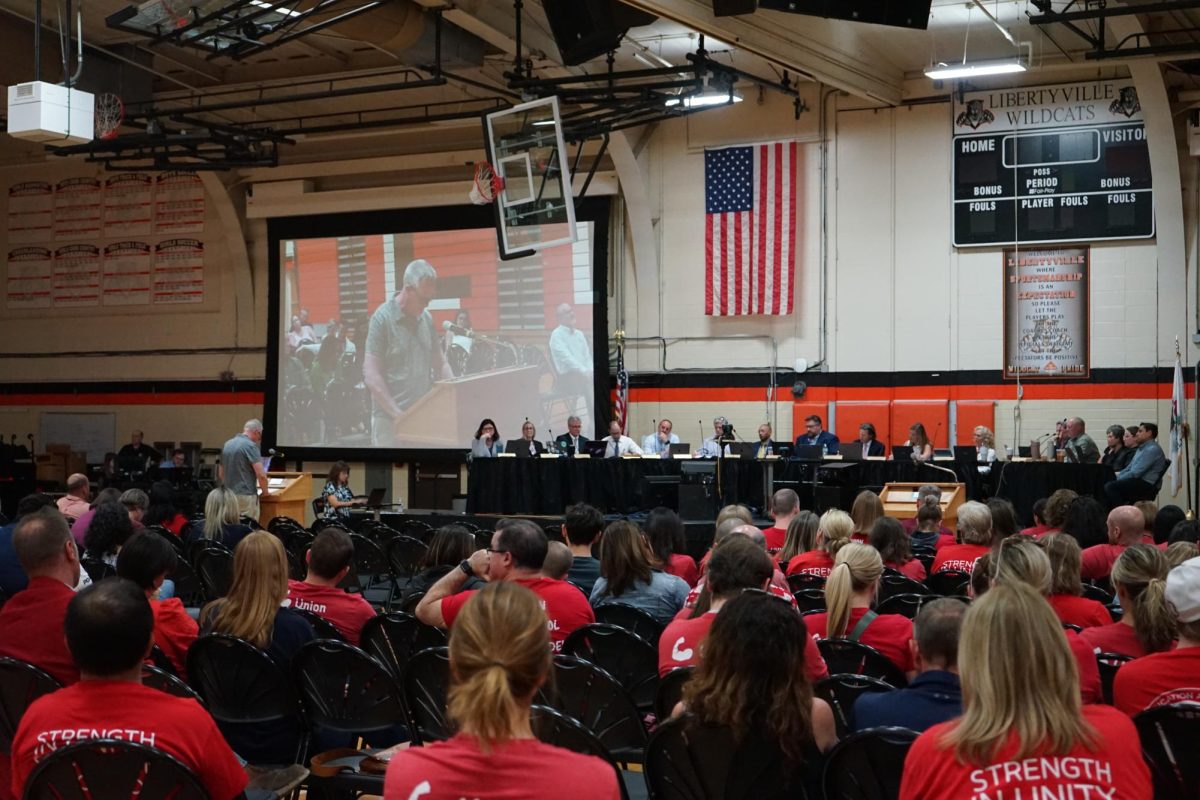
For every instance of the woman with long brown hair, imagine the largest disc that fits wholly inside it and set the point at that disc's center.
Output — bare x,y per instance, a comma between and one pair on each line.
918,440
339,499
499,657
1149,624
866,509
1065,586
833,533
1023,728
801,536
628,575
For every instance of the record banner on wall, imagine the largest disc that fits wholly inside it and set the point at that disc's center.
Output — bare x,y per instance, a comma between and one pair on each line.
1046,318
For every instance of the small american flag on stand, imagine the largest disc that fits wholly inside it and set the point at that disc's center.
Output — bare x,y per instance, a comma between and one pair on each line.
750,229
622,405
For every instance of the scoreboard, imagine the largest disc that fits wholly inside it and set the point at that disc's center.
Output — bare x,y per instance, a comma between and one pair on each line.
1024,172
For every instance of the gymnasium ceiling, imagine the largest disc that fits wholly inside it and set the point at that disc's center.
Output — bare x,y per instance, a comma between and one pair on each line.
393,44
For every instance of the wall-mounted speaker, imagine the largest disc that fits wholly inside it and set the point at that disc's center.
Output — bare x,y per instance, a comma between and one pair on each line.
587,29
897,13
731,8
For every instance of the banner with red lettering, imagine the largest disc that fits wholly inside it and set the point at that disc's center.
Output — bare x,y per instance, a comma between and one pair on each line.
1046,316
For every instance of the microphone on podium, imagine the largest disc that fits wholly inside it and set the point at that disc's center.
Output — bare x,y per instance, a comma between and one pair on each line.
460,330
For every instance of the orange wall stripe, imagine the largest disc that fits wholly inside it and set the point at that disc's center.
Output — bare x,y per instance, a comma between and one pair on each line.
1033,391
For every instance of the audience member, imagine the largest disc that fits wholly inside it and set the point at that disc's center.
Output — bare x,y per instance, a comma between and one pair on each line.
889,538
833,533
110,527
1038,512
222,520
1171,676
449,547
330,559
517,553
558,561
1023,732
1125,526
1021,560
732,511
627,575
12,576
981,576
135,502
924,493
1165,521
581,527
1056,508
1004,519
1148,625
1186,531
1149,510
1179,552
1141,479
79,527
934,696
1080,448
1066,589
785,505
849,594
110,630
1085,520
801,536
162,510
975,532
499,659
699,597
146,560
927,530
76,501
664,532
753,682
867,508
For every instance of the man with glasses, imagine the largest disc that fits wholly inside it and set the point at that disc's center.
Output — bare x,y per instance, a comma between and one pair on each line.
517,552
814,436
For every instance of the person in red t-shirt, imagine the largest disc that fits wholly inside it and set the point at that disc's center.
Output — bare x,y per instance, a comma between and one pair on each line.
1125,526
737,564
517,552
146,559
329,560
889,538
849,593
1038,512
499,658
1022,734
1020,559
109,629
975,532
1065,586
1149,624
785,505
1172,676
664,531
833,533
801,536
867,508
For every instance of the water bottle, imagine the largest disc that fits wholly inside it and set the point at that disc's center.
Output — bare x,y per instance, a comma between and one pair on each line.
824,450
1008,451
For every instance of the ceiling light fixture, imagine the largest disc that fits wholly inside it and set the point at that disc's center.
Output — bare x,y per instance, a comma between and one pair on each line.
709,97
943,71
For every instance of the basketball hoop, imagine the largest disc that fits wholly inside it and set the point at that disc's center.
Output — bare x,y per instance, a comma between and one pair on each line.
110,113
487,184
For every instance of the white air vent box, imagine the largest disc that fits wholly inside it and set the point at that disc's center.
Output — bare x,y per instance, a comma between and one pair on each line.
50,114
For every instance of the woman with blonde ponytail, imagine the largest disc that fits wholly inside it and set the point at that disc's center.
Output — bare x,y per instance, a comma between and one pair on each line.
1139,577
849,593
499,656
833,533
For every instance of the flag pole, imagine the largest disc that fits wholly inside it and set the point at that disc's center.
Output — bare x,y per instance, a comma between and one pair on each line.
1184,430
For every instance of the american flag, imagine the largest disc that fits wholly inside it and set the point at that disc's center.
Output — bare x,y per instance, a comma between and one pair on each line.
750,229
622,404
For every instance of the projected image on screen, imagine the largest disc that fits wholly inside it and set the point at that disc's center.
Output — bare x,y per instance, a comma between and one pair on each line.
410,340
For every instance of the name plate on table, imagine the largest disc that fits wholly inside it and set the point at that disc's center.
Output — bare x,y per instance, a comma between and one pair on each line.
679,456
549,455
733,455
649,455
876,458
583,455
833,457
506,455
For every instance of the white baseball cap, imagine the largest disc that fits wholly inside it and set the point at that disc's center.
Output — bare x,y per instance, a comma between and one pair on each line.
1183,590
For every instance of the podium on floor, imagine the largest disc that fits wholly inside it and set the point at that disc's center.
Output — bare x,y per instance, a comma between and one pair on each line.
291,493
900,500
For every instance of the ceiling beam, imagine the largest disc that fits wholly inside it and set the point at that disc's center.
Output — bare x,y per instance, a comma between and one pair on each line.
789,41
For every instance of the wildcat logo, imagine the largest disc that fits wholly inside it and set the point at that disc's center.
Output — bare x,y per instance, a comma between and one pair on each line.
1127,104
975,115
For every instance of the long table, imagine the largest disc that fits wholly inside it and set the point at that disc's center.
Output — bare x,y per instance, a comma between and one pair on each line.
619,486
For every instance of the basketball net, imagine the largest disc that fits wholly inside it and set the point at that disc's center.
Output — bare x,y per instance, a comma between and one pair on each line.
110,112
487,184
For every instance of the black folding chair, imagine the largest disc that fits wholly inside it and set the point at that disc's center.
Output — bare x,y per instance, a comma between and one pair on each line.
949,583
631,619
845,657
404,555
188,586
587,693
556,728
372,571
1169,735
907,605
803,580
159,678
629,658
867,765
112,768
394,637
215,569
245,691
20,684
811,599
841,691
1109,663
344,690
688,761
416,529
1093,592
174,540
281,521
894,584
425,682
321,626
670,691
96,569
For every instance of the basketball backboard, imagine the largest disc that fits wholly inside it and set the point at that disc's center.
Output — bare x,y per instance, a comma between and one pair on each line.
535,209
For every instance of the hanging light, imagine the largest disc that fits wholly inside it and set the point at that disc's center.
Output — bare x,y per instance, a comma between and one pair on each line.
943,71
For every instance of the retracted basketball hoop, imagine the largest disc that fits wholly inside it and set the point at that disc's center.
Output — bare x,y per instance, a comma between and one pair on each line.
110,113
487,184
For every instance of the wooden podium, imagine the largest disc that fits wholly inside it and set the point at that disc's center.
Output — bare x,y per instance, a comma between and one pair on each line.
450,407
291,493
900,500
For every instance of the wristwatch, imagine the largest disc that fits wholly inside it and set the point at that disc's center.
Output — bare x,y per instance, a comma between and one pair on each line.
465,566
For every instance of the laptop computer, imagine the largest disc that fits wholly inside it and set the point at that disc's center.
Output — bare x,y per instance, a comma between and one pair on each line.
595,449
851,451
375,498
744,450
680,449
902,452
808,452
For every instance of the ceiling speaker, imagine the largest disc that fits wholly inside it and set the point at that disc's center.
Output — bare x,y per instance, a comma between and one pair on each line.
587,29
731,8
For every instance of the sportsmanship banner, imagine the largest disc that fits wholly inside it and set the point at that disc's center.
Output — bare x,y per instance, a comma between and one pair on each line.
1059,163
1046,326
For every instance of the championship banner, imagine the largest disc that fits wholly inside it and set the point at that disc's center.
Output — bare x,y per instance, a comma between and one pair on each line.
1046,317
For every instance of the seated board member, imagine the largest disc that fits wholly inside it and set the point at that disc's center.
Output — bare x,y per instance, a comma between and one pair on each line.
329,560
815,436
572,442
110,630
527,446
659,443
617,444
499,658
146,559
517,553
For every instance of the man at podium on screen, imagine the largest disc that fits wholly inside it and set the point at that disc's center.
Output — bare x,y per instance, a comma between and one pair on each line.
572,357
402,355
